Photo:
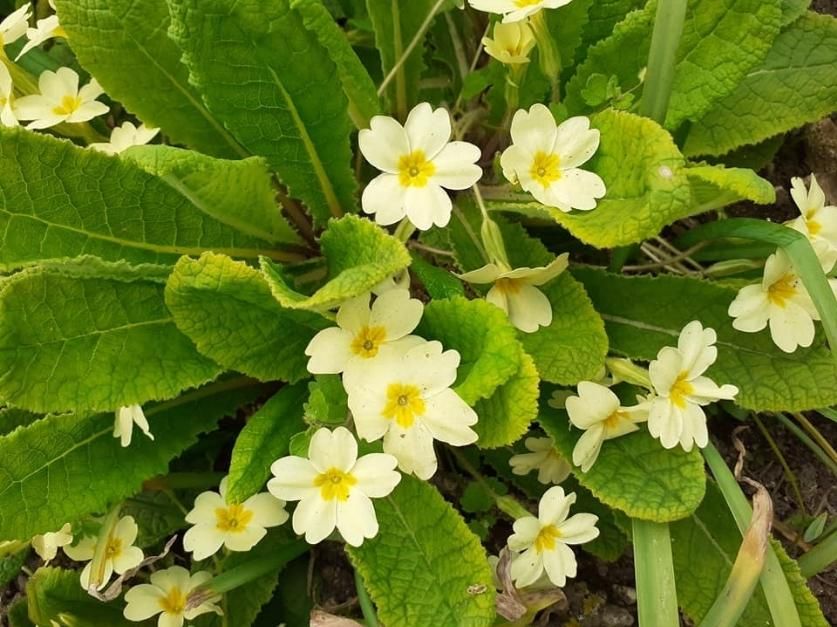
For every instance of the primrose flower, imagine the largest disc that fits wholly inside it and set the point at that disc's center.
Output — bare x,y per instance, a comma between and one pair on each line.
126,418
14,26
126,136
7,98
545,157
818,221
542,543
400,281
597,411
676,413
515,291
47,545
418,162
61,100
167,595
551,466
120,553
780,301
44,30
406,400
334,487
237,526
364,334
512,43
516,10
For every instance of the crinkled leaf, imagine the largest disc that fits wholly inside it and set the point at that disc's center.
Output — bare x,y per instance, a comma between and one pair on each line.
90,336
226,308
263,440
64,467
53,594
634,473
643,314
485,339
645,176
157,516
10,566
438,282
506,415
604,15
424,567
237,193
793,9
566,25
123,43
357,84
58,200
795,84
359,255
395,24
327,401
715,186
704,548
11,418
273,84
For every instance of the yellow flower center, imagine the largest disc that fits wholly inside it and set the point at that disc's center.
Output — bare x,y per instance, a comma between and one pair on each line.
404,404
546,168
174,602
814,227
368,340
612,422
681,390
526,3
334,484
69,104
234,518
782,290
545,540
113,548
508,286
414,170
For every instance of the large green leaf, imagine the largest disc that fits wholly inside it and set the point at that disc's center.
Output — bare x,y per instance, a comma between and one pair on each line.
643,314
646,183
58,200
225,307
425,567
484,337
634,473
604,15
88,336
273,84
359,255
395,24
263,440
795,84
123,43
705,546
11,418
54,593
237,193
357,84
714,186
64,467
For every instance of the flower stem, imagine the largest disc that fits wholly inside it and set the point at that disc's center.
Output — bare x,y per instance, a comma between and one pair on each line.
548,55
506,504
365,602
404,230
653,563
668,27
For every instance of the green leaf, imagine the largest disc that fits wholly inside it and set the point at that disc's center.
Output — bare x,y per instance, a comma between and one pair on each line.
53,594
11,565
721,42
264,439
357,84
424,567
237,193
604,15
64,467
70,340
795,84
395,24
643,314
290,107
485,339
327,401
634,473
646,183
157,515
705,545
226,308
566,25
58,200
359,255
439,282
506,415
11,418
18,613
793,9
124,45
716,186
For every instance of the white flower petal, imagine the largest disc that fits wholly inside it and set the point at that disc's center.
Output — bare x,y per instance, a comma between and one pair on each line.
578,529
456,166
575,142
587,448
487,274
293,478
555,505
528,308
791,327
143,602
316,518
560,563
356,519
664,370
593,404
329,351
376,475
384,197
268,511
576,188
245,539
526,568
449,419
383,143
203,540
534,131
397,312
333,449
428,129
428,205
413,448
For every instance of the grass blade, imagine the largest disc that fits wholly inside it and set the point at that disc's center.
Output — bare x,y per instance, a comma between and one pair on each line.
780,600
656,594
823,555
797,247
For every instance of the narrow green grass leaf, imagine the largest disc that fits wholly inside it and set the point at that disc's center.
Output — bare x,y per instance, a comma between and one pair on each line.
656,596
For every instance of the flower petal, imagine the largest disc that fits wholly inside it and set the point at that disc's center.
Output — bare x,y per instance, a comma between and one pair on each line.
555,505
356,518
397,313
575,141
428,129
456,166
376,475
383,143
428,205
202,541
413,448
316,518
534,130
384,197
528,308
293,478
449,419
